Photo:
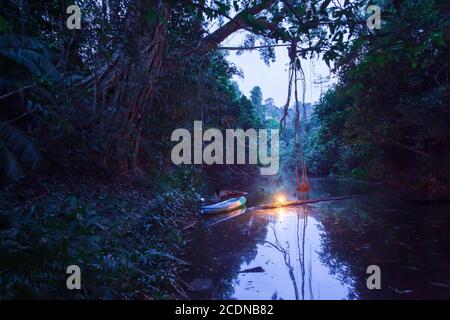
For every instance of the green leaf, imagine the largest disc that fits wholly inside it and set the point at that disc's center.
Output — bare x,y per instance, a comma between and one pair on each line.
222,7
152,16
236,6
4,26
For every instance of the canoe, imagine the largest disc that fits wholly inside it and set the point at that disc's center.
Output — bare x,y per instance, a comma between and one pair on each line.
228,194
224,206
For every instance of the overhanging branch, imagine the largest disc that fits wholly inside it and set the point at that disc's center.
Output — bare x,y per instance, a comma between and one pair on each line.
254,47
240,21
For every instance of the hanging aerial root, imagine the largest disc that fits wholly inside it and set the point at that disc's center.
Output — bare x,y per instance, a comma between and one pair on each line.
304,186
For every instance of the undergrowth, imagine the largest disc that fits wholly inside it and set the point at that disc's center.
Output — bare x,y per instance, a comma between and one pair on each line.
125,243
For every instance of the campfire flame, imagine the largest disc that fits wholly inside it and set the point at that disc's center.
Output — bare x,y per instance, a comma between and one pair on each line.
280,198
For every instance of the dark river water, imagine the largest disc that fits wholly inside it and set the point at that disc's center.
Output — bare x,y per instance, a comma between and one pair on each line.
323,250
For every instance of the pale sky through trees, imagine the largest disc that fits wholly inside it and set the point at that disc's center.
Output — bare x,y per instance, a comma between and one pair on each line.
273,79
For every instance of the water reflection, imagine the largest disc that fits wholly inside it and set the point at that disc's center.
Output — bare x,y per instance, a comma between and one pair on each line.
290,256
322,251
220,218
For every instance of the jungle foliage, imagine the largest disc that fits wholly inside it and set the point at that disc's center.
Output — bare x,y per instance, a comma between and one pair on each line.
387,117
83,112
66,125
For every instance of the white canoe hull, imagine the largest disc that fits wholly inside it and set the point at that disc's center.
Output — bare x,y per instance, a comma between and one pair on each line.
225,206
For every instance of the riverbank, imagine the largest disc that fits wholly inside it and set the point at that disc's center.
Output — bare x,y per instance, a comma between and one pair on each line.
414,193
124,237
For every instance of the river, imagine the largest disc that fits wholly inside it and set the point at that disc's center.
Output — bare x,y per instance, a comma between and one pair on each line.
322,250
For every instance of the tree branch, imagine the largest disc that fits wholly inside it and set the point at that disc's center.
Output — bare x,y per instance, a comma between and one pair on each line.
255,47
299,203
240,21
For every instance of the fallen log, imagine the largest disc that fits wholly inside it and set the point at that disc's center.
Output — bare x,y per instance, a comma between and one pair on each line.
298,203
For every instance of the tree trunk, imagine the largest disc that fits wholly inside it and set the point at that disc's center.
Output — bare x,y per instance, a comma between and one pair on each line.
127,84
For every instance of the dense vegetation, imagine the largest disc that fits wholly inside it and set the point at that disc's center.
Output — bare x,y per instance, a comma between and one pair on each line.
68,196
387,117
86,117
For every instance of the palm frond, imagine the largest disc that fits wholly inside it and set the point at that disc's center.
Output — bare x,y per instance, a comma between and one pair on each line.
22,41
29,53
16,150
8,84
9,164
